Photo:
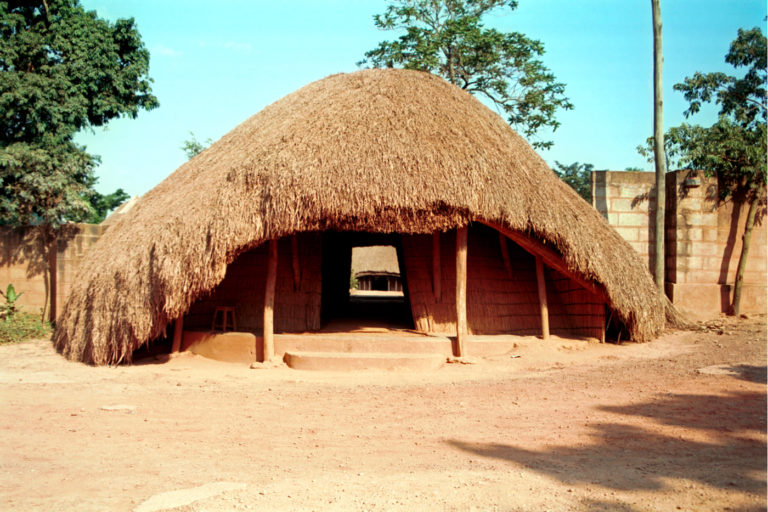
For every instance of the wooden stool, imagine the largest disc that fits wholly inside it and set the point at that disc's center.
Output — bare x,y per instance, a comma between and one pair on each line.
220,319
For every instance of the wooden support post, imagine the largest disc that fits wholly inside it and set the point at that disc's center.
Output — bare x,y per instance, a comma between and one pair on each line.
542,298
269,303
178,329
295,262
461,290
436,267
505,254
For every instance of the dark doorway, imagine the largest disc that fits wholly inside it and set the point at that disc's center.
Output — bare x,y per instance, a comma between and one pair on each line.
342,303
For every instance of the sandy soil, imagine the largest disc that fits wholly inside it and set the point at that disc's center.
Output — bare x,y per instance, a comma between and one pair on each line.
679,423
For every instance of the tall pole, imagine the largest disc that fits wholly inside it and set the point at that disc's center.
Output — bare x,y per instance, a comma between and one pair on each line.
658,147
461,290
269,302
543,308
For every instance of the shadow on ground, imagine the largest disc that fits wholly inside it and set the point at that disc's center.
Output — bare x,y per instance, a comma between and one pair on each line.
751,373
722,452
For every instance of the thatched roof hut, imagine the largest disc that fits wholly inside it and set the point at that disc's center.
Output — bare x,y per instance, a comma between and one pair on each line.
376,151
375,259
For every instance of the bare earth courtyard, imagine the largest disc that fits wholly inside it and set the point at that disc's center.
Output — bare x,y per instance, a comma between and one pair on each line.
675,424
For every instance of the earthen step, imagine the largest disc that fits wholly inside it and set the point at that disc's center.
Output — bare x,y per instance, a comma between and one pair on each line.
334,361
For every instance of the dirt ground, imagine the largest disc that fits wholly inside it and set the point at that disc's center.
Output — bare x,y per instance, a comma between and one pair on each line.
676,424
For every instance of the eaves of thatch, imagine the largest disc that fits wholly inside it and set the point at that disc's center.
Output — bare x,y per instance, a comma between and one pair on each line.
376,150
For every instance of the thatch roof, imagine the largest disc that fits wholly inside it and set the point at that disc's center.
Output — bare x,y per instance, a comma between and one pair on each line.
376,150
375,259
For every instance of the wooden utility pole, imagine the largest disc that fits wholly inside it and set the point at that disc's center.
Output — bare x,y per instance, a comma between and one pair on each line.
658,146
461,289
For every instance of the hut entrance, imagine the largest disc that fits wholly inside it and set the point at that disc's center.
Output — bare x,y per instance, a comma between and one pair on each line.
362,283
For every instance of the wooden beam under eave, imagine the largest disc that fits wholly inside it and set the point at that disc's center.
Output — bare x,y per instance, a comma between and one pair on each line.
541,280
461,290
437,278
295,263
505,254
178,329
269,302
548,256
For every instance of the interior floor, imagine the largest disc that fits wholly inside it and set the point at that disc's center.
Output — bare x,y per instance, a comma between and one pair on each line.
372,311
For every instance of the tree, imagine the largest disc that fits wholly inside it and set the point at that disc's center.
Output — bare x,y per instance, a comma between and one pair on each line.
102,204
578,176
659,157
447,38
63,69
734,148
192,147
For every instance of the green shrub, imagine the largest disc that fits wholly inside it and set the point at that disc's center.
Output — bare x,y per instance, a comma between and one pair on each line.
21,327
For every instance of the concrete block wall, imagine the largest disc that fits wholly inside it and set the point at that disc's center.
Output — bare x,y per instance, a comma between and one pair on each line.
23,262
627,201
703,238
75,242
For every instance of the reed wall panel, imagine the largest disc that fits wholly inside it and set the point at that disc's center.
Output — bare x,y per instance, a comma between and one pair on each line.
497,301
243,288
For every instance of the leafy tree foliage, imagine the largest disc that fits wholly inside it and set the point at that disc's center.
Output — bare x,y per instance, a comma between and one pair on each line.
578,176
192,147
447,38
102,204
63,69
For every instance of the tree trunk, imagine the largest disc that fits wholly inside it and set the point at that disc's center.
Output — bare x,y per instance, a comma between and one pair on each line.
658,147
746,241
48,243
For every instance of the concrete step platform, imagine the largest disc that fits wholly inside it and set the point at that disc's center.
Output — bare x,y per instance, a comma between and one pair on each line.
339,361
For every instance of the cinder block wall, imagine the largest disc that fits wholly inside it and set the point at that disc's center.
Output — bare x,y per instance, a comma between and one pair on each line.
703,238
23,262
627,201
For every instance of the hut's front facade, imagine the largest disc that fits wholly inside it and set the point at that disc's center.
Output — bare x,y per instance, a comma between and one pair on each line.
489,240
502,288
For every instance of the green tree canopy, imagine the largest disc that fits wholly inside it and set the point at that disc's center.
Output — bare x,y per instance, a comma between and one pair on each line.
578,176
447,38
63,70
734,148
192,147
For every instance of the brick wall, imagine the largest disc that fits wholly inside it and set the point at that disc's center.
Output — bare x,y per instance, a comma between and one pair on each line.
23,262
702,241
627,201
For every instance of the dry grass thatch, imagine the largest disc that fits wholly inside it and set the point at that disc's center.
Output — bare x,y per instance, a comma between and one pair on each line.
375,150
375,259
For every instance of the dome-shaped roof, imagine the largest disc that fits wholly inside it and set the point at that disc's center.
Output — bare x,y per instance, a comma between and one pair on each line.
376,150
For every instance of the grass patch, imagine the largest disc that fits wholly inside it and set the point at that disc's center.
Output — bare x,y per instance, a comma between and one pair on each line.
22,327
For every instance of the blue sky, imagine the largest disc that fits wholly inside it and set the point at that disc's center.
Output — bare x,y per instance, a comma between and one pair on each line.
215,64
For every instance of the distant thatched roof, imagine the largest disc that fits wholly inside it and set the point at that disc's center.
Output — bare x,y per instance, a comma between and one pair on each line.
375,259
121,211
376,150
